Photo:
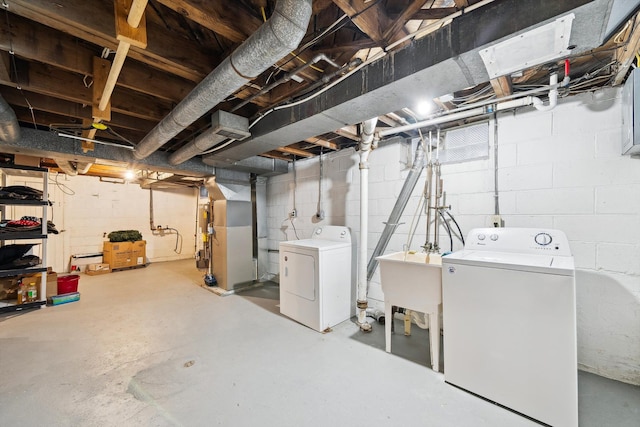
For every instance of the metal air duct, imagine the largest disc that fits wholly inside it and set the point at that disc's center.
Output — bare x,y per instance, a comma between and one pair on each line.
274,39
9,127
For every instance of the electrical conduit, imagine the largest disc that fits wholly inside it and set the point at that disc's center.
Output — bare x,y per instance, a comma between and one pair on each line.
366,145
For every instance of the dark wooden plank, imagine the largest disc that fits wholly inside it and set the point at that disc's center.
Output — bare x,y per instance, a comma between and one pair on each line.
43,44
229,19
94,21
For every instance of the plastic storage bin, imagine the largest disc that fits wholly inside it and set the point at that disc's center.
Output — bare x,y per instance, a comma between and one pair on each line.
68,284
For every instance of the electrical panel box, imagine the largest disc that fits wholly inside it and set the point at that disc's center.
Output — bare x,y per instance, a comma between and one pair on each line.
631,114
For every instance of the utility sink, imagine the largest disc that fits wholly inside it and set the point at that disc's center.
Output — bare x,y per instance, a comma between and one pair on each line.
413,281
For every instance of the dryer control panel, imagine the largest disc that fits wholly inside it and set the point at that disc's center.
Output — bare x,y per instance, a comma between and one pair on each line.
334,233
520,240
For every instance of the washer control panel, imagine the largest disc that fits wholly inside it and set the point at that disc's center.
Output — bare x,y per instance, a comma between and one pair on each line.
521,240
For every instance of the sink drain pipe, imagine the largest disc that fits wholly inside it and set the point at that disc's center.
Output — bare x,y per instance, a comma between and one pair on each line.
367,144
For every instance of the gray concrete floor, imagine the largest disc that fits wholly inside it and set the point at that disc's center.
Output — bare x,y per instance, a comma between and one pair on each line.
150,347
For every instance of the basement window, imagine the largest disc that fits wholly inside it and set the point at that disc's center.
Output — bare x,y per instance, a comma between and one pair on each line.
465,144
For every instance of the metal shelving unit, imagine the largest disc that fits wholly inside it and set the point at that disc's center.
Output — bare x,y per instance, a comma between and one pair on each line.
30,235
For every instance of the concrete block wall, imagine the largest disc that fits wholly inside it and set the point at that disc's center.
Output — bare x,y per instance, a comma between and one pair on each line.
557,169
86,210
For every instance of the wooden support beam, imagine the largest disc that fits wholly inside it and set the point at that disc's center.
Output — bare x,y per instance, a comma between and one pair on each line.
136,13
398,24
37,42
626,54
89,134
135,35
100,75
5,66
295,151
350,132
229,19
114,72
372,20
322,143
72,110
433,13
502,86
93,22
60,84
276,155
128,35
350,46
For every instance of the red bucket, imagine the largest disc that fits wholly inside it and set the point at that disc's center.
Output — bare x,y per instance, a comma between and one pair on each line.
68,284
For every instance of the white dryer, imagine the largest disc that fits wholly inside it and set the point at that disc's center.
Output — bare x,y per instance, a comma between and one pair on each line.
509,320
316,284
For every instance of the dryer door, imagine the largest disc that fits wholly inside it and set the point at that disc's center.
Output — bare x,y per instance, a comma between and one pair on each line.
299,274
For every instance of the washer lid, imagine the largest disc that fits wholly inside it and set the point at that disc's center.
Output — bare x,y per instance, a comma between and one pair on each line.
318,244
561,265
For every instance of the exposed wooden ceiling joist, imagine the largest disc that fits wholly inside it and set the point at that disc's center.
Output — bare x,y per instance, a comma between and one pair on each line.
295,151
231,21
502,86
323,143
372,20
93,22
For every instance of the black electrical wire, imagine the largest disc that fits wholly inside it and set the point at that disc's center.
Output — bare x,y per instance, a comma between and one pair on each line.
457,226
446,225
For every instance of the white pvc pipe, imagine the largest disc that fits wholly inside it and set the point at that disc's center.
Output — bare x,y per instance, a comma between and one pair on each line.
434,121
368,129
553,96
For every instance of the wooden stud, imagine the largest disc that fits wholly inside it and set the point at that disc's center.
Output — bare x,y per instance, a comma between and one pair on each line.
114,72
627,53
100,75
295,151
276,155
89,134
135,36
433,13
399,23
350,132
136,14
322,143
502,86
5,66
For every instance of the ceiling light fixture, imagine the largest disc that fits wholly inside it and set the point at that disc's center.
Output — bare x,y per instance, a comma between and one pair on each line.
129,175
424,108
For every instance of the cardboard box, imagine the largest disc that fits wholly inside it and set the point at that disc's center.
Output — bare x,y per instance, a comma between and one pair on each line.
117,254
98,267
139,252
52,282
124,254
22,160
8,288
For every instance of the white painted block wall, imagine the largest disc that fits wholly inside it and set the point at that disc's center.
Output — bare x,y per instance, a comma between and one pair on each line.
85,210
558,169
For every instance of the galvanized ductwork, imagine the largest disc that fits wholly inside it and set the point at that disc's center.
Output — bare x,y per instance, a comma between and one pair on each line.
274,39
73,168
441,62
9,127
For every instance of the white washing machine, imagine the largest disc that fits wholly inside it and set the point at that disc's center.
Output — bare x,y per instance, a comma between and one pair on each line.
316,282
510,321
